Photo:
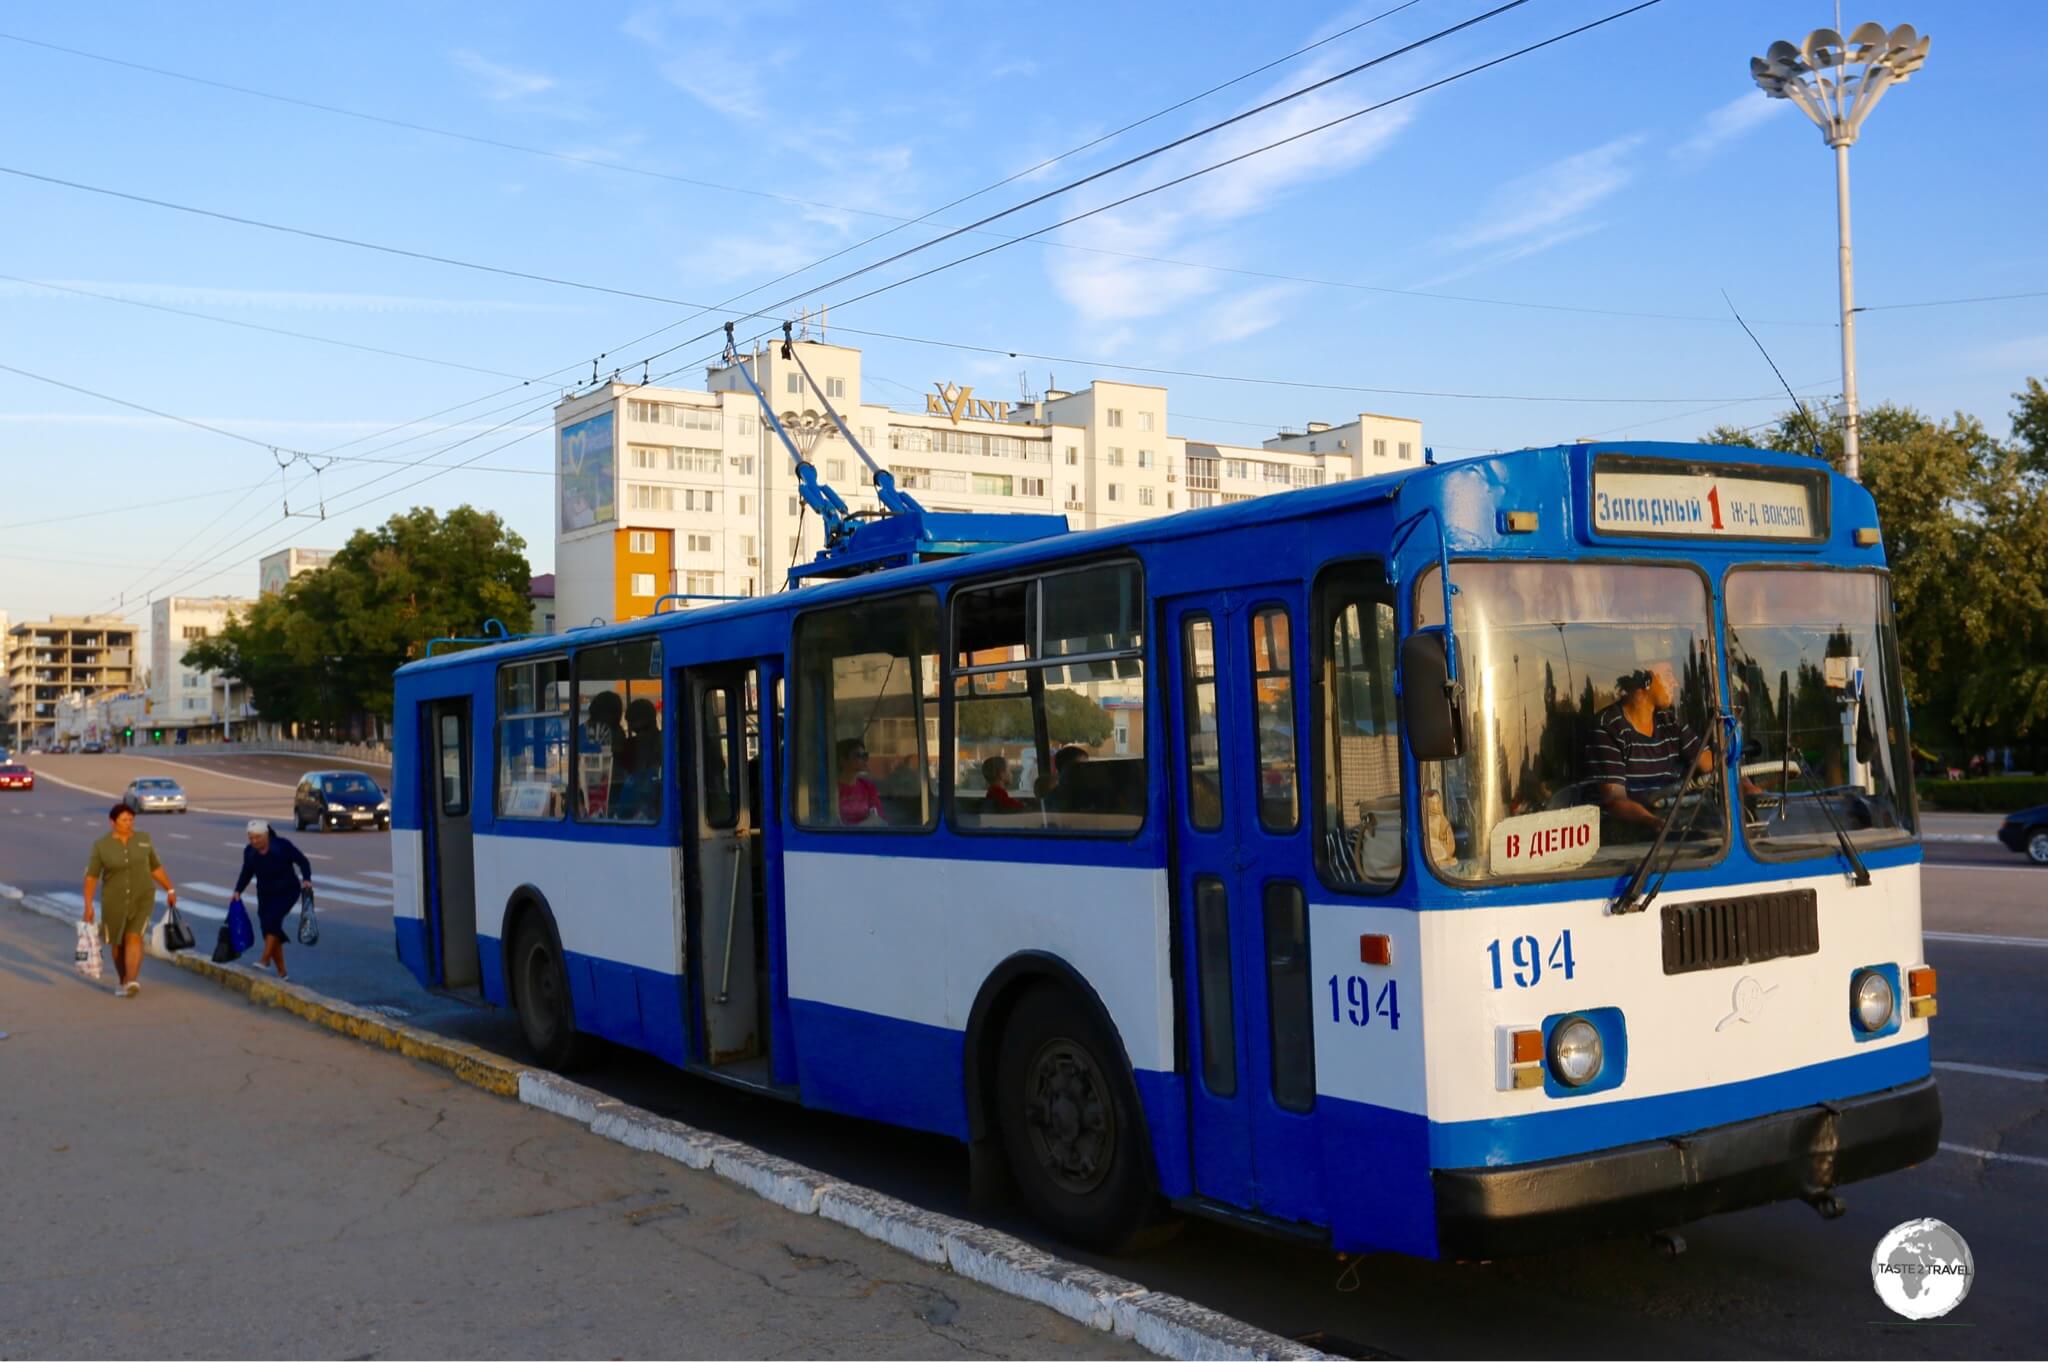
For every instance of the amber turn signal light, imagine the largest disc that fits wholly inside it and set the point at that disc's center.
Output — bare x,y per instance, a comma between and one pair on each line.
1528,1047
1375,948
1920,982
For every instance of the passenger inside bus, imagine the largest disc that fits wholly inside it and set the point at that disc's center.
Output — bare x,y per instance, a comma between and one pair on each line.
995,773
859,800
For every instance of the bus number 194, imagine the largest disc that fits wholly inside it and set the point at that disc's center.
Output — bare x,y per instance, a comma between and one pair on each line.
1527,959
1357,1005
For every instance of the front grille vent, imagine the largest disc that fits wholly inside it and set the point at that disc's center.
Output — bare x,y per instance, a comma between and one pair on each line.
1720,932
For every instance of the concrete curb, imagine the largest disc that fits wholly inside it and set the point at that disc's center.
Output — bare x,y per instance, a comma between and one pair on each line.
1163,1324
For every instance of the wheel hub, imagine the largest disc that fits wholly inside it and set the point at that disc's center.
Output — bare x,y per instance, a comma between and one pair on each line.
1069,1114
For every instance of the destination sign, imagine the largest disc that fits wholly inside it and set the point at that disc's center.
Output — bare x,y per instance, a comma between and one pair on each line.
1688,499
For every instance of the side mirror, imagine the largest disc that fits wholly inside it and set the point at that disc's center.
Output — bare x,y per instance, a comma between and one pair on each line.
1432,705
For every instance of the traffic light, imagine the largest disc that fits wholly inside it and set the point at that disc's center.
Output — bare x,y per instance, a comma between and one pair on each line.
156,735
128,734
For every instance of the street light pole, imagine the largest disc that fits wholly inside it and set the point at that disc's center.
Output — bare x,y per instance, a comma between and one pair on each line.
1852,415
1836,83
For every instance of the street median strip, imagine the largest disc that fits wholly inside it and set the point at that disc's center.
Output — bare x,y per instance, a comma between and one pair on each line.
1163,1324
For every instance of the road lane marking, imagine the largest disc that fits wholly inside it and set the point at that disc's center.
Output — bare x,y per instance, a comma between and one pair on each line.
1967,837
182,836
70,898
1994,1155
378,874
340,883
205,888
1994,869
1991,1071
1980,939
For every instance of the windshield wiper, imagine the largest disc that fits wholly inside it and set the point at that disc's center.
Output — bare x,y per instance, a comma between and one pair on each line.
1861,872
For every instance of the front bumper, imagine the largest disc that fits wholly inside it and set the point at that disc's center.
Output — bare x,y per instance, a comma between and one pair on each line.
1658,1184
2013,835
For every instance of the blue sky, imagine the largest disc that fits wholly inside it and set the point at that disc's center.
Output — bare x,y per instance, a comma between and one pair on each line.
1630,170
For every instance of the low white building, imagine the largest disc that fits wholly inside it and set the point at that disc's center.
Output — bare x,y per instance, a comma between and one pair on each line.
665,491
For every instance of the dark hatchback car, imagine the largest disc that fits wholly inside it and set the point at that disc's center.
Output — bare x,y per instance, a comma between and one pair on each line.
2027,833
339,799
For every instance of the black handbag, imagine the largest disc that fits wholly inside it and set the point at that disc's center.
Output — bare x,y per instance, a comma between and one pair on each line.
177,933
224,952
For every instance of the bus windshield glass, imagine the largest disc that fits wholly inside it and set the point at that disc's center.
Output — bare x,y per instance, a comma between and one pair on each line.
1589,695
1813,660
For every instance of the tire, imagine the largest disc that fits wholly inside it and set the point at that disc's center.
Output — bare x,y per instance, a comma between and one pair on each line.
2037,846
298,821
1071,1125
540,994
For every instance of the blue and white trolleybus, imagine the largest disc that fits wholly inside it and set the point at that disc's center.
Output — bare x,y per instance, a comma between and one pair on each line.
1454,862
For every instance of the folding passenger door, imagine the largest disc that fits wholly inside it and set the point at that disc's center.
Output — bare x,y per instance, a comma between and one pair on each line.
722,867
1241,861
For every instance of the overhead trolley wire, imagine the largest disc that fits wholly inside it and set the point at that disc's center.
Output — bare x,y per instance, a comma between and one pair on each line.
256,326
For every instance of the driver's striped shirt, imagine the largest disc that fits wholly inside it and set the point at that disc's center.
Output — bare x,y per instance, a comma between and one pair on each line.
1640,762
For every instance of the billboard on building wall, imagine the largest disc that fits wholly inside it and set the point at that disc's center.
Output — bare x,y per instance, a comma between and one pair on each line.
584,477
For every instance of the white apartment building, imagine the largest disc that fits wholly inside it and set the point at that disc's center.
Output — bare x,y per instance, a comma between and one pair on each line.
671,490
180,696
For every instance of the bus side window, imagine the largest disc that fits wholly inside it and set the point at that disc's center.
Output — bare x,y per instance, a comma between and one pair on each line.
1048,694
618,733
1358,842
533,723
866,741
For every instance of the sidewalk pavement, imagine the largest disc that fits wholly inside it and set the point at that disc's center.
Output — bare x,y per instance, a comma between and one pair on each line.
190,1176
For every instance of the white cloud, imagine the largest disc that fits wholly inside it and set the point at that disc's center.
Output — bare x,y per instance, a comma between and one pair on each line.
1732,120
1543,200
727,75
1110,289
283,300
1247,314
502,83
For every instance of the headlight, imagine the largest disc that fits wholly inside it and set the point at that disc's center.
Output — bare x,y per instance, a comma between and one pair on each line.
1575,1052
337,808
383,806
1873,1000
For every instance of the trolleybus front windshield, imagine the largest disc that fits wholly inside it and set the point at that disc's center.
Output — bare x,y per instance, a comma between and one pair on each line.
1813,661
1589,696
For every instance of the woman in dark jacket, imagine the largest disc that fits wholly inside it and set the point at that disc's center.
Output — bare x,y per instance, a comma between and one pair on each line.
280,871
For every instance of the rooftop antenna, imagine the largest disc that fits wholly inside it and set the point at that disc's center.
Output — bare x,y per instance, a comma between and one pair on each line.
1812,432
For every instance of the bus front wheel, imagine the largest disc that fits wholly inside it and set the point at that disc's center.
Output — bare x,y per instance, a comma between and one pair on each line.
540,994
1071,1125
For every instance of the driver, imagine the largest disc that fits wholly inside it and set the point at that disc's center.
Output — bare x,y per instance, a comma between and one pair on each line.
1640,745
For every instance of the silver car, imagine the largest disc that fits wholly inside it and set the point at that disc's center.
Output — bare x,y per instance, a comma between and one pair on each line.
154,795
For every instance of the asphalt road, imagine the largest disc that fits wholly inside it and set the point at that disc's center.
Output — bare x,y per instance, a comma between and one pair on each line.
1770,1282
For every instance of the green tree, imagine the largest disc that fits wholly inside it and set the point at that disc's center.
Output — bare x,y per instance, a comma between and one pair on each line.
1965,520
323,649
1070,718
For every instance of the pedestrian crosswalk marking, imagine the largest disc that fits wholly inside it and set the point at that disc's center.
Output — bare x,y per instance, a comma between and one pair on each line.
70,898
380,874
341,883
206,888
325,895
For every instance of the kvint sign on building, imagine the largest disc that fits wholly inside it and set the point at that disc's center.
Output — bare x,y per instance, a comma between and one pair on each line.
955,402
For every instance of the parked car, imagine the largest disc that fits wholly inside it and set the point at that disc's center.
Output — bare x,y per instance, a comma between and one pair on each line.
339,799
2027,833
16,777
154,794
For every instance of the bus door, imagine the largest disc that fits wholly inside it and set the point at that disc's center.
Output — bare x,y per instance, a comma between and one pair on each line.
1241,864
725,927
452,908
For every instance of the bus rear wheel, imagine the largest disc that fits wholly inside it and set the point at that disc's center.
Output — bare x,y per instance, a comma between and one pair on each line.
540,994
1071,1125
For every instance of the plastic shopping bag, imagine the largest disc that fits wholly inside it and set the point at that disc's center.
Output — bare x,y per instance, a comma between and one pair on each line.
240,930
88,954
309,921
